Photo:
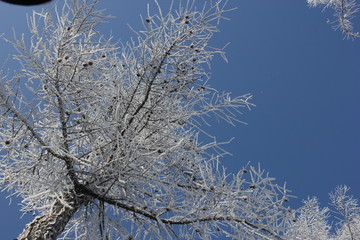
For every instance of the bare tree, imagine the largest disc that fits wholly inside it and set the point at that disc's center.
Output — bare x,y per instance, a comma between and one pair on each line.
105,141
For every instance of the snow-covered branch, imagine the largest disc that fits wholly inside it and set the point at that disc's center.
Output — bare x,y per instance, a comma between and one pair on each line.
106,141
344,12
89,126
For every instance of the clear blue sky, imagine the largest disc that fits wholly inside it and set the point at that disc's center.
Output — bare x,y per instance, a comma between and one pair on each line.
305,80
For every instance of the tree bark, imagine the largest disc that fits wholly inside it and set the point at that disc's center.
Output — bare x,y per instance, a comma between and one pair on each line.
52,224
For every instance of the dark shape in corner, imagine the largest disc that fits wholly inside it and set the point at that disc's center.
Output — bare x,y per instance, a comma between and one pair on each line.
26,2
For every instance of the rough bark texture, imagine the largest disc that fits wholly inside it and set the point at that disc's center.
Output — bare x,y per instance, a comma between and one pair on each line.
52,224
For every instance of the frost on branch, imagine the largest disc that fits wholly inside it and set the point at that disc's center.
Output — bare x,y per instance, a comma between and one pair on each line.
110,136
349,211
313,222
344,13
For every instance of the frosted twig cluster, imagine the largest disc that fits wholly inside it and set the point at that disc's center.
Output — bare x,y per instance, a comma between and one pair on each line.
344,12
312,221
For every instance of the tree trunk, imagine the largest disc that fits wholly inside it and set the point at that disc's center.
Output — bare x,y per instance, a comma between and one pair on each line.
52,224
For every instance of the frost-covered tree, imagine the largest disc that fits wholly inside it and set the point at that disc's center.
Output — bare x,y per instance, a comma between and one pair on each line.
311,222
349,213
106,141
344,13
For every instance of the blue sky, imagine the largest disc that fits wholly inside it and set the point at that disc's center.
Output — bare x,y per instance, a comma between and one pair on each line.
305,80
